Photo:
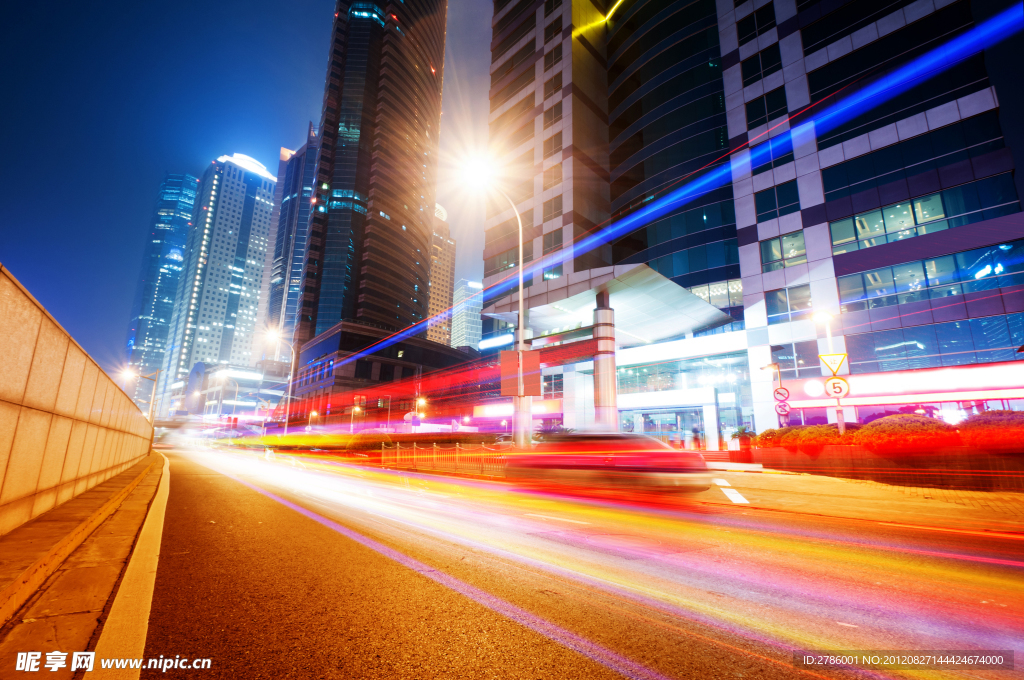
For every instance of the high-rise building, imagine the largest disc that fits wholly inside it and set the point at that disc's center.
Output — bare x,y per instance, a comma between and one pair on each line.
466,305
296,175
158,281
442,277
595,117
218,295
370,233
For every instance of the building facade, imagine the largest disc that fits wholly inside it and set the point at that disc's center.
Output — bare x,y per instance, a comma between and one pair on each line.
442,278
218,296
466,306
296,175
370,232
597,116
162,261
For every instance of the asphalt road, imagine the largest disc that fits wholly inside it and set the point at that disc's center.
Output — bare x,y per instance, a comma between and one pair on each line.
298,569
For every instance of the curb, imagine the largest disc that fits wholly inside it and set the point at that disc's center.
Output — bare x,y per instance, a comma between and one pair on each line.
29,581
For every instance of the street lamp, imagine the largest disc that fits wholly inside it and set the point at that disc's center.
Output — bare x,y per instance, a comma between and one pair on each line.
274,334
352,420
388,428
128,374
479,173
312,414
778,370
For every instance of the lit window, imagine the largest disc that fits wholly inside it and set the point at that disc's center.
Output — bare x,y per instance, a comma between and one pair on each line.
784,251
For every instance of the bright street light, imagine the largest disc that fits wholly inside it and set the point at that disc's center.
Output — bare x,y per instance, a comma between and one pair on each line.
480,173
275,335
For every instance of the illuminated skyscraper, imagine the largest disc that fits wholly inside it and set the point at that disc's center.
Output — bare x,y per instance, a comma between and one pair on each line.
218,295
442,276
370,232
296,175
158,281
466,305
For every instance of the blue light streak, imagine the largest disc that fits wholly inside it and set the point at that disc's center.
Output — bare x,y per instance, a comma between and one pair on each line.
885,88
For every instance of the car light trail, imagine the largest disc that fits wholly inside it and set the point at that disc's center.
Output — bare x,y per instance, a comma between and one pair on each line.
676,581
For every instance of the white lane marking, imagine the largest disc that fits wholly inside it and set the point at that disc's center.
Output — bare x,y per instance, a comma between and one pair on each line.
560,519
124,632
848,625
735,496
721,482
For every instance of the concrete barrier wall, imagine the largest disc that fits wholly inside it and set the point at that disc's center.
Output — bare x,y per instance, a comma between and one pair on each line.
65,426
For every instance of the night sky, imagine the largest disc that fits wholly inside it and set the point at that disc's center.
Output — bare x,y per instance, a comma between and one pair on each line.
100,100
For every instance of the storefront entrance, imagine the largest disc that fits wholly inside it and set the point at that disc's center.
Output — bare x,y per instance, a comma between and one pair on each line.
684,425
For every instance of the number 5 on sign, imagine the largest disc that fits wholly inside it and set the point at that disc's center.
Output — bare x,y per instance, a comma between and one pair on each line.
837,388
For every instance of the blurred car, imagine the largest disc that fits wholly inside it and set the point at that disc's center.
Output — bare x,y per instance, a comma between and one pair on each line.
615,460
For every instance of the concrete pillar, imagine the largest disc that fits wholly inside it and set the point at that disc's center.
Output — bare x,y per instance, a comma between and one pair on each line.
606,411
711,427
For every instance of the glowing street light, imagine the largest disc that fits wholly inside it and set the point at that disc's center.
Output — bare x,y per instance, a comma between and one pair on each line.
128,374
480,173
352,420
275,335
312,414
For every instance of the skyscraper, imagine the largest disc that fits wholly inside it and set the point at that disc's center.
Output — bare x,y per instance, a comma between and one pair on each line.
218,295
595,117
158,281
442,276
370,234
466,304
296,175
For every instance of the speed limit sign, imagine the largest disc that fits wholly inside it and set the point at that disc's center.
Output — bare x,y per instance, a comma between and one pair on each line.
836,388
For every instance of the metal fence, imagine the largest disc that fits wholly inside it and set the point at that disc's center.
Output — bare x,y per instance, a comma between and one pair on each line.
470,460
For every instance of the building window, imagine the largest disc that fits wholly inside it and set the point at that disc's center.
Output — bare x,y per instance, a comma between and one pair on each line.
553,85
552,145
721,294
970,271
552,241
553,208
755,24
767,107
968,139
508,259
553,57
553,386
772,154
788,304
764,63
552,176
553,272
553,115
956,207
797,359
553,29
780,200
550,6
784,251
697,258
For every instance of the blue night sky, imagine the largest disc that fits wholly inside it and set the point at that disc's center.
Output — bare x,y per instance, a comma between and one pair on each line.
100,100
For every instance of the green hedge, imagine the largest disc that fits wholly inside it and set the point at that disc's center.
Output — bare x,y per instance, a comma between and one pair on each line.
1002,430
906,431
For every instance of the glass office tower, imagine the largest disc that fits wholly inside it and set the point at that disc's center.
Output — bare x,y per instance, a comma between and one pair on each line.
218,296
158,281
371,226
296,175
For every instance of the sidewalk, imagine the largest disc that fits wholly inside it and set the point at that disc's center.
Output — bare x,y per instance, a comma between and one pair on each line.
66,612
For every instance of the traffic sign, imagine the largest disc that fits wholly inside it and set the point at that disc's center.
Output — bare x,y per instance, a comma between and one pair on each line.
782,408
836,387
833,361
781,394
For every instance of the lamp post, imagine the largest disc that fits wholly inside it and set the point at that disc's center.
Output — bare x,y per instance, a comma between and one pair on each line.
352,420
128,374
388,427
481,174
826,318
276,335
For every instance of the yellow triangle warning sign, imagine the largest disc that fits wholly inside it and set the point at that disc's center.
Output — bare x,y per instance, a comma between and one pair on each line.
833,361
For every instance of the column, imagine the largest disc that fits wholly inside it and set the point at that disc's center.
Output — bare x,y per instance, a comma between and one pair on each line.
606,411
522,407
